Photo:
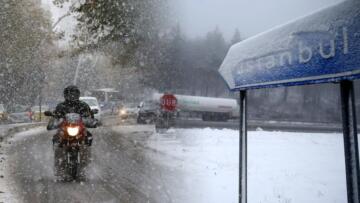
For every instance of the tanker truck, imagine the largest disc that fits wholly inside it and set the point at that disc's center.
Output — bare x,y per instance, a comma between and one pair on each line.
207,108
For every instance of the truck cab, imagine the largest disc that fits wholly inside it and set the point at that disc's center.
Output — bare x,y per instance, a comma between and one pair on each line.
148,111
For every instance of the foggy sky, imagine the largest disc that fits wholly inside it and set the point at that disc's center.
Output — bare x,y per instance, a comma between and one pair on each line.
197,17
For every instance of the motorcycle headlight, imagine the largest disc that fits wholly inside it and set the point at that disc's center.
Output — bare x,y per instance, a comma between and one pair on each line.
73,131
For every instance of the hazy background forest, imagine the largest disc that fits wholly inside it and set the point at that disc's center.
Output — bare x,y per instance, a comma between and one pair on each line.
136,48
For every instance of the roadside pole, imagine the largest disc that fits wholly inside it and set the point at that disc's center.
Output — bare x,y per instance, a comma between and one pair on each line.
245,68
243,148
350,140
40,103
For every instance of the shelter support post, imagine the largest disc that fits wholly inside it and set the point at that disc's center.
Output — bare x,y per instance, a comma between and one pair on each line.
350,140
243,148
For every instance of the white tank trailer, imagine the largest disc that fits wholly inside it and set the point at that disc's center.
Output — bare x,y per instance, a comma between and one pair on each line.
208,108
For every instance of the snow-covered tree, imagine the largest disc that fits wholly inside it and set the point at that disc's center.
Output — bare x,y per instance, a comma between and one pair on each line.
25,36
118,27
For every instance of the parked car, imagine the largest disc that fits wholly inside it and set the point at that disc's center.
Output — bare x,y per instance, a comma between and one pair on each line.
3,113
94,104
36,115
18,113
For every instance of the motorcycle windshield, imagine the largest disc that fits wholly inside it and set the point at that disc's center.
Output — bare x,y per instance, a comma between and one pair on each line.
73,118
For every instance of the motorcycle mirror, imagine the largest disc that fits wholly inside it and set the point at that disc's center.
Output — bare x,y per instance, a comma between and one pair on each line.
48,113
94,111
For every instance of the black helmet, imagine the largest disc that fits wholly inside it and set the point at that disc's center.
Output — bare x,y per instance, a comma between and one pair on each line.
71,93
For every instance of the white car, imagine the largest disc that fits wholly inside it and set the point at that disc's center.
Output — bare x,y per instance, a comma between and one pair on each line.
94,104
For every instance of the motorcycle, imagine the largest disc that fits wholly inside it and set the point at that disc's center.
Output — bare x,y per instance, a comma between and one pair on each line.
71,144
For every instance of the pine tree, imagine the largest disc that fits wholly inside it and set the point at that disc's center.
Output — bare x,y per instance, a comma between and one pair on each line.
216,48
236,37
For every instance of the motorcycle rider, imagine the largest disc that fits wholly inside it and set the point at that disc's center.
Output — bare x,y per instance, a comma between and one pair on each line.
72,104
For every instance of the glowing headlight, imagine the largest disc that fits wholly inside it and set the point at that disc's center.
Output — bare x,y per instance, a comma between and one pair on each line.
123,112
73,131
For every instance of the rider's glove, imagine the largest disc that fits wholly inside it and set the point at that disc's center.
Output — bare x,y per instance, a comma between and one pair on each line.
54,123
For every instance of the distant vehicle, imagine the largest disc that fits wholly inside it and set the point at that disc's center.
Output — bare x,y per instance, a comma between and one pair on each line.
111,107
148,111
17,108
94,104
19,113
3,113
35,113
208,108
128,112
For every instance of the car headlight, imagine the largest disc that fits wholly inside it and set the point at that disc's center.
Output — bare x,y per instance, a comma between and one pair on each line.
73,131
123,112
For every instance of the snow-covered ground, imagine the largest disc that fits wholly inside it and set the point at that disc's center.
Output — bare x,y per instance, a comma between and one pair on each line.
283,167
203,164
7,186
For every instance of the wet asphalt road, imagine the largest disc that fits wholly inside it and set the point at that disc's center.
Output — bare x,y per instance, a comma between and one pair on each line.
120,171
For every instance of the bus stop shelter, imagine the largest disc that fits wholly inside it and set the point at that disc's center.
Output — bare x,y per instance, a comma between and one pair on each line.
323,47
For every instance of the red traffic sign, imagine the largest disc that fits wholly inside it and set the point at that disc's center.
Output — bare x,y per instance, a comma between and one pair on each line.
168,102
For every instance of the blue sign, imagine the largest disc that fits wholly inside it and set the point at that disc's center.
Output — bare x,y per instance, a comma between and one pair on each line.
320,48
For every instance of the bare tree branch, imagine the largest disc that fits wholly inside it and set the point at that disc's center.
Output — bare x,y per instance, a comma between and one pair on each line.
64,16
60,19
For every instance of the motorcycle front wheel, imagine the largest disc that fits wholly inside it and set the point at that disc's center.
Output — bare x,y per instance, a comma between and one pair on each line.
73,162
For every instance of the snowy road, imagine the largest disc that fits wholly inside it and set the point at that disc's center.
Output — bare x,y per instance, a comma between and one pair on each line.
134,164
118,173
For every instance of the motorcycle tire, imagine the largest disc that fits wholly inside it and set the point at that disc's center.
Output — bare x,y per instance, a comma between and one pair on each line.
73,164
59,162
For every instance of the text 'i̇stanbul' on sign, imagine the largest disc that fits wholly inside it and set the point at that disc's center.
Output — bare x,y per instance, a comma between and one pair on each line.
322,47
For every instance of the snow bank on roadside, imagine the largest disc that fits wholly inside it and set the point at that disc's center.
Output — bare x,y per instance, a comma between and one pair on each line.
130,129
28,133
7,188
282,167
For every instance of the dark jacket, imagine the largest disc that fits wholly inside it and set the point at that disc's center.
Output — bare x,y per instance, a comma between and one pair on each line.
66,107
78,106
